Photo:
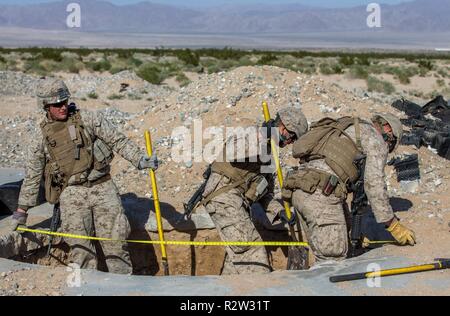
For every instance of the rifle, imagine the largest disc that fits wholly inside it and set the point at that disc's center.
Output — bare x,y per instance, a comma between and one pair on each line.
407,167
358,207
436,137
56,218
412,139
430,124
190,206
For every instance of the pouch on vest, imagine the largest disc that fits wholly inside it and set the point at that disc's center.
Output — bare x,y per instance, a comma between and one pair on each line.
304,179
54,183
103,155
300,179
309,180
257,189
330,185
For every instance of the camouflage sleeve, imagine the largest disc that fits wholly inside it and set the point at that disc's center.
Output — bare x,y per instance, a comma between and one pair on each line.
34,171
117,141
374,178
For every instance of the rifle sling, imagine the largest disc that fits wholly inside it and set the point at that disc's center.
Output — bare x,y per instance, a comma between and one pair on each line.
358,135
222,190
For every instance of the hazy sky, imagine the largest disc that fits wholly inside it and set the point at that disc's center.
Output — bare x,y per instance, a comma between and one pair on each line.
324,3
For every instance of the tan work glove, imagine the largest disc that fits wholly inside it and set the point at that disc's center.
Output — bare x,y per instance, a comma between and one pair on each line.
402,234
365,243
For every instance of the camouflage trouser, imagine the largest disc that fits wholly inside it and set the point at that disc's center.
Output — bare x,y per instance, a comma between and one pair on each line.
229,213
96,211
326,224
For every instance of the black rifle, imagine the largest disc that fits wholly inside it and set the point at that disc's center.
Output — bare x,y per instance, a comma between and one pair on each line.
407,167
410,139
56,218
430,124
190,206
358,208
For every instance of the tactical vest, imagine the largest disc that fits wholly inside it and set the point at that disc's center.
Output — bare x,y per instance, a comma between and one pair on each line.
245,176
70,153
242,176
328,140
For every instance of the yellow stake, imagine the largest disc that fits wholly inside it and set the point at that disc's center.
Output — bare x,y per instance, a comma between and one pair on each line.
304,252
277,161
148,142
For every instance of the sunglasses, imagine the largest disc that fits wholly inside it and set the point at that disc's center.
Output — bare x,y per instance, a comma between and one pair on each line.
60,104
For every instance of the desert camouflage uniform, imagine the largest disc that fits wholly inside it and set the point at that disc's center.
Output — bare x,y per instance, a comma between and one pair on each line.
230,213
326,217
92,211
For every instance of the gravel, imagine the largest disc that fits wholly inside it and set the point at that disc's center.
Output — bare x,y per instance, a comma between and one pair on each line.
17,84
13,152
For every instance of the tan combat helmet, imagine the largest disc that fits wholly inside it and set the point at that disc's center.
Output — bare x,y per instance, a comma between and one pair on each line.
51,91
394,122
294,120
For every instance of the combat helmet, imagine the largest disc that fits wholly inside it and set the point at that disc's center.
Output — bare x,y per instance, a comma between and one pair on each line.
51,91
394,122
294,120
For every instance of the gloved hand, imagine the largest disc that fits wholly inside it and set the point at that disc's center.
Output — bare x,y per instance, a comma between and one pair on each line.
147,162
284,218
402,234
18,219
365,243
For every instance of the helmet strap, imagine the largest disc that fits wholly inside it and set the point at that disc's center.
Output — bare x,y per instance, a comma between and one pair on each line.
391,140
283,139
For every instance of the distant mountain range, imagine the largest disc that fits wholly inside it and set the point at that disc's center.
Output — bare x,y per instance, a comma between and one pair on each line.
147,17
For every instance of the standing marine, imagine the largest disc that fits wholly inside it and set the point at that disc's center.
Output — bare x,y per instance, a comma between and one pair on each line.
73,150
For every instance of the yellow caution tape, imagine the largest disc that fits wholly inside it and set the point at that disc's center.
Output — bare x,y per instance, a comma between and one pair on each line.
381,242
170,242
184,243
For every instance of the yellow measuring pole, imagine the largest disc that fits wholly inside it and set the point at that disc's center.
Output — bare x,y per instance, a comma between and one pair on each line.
297,257
148,143
439,265
277,161
382,273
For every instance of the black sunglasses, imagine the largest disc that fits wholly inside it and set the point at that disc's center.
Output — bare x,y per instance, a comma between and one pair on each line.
60,104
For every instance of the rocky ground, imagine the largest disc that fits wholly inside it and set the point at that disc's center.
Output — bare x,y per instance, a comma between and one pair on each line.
225,99
18,283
